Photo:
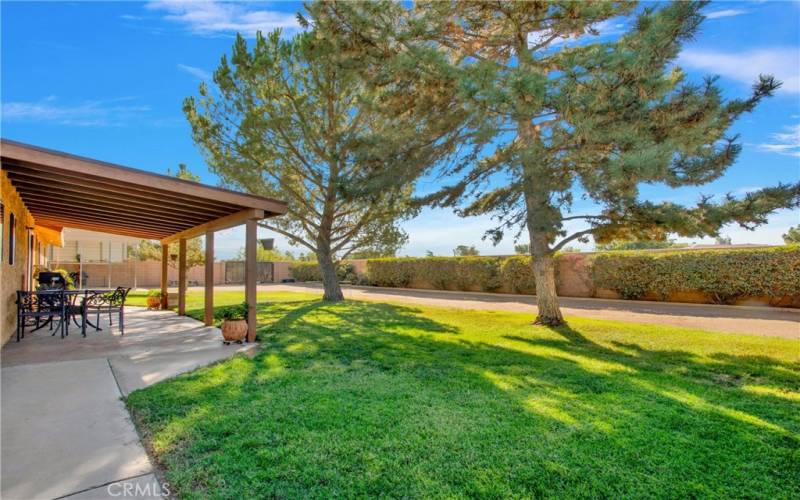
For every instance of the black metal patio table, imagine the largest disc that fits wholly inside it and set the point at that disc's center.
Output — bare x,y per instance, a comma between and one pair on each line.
74,296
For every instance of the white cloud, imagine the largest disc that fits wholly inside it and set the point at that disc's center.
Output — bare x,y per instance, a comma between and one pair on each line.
784,143
112,112
745,66
725,13
196,72
214,18
130,17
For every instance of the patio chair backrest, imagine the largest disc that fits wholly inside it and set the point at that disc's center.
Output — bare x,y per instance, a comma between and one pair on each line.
40,301
112,299
119,296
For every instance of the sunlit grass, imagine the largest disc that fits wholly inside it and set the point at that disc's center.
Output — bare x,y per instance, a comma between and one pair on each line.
364,399
195,299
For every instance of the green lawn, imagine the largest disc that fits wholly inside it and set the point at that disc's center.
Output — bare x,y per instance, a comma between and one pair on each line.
196,299
365,399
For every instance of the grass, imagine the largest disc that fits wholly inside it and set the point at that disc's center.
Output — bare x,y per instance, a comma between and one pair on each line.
366,399
196,299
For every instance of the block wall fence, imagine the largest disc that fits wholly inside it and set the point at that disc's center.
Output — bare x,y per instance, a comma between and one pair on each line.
576,277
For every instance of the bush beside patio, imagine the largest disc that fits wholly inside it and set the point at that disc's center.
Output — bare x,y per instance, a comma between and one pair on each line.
358,400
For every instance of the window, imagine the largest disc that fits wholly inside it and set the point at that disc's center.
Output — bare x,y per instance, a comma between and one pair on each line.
12,232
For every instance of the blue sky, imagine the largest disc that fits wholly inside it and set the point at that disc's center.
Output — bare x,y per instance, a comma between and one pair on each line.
106,80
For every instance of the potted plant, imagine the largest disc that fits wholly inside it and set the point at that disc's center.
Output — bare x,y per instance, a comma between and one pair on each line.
154,299
234,323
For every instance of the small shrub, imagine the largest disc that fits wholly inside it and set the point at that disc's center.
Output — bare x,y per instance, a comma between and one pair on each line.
346,271
516,274
306,271
232,313
310,271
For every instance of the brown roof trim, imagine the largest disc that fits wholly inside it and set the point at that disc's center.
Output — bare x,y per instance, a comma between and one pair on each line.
87,166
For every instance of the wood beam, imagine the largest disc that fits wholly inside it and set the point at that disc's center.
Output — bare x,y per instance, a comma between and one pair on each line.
209,281
182,276
217,224
164,276
82,186
251,230
63,162
118,205
123,231
100,220
83,210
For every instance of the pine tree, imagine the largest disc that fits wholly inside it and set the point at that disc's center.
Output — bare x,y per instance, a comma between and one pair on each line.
543,110
289,121
792,236
151,250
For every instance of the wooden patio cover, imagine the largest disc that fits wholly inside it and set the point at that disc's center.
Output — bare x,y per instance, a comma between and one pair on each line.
63,190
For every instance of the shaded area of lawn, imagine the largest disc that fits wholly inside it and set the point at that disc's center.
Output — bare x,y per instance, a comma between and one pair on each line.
195,299
365,399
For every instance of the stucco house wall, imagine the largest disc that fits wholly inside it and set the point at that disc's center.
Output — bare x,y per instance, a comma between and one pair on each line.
14,277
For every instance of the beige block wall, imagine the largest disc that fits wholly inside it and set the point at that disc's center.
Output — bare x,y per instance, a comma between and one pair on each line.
281,271
12,278
138,274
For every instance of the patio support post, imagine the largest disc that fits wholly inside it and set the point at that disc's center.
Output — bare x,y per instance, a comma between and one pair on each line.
209,281
250,277
182,276
164,275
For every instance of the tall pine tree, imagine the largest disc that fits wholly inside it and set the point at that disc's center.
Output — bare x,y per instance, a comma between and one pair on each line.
288,120
544,111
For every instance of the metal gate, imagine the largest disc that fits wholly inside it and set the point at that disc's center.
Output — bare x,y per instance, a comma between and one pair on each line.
234,272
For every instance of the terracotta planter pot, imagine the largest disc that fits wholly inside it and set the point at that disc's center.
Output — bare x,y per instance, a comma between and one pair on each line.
234,330
153,302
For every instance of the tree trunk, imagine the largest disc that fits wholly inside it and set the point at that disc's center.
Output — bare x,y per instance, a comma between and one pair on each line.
544,265
333,292
544,272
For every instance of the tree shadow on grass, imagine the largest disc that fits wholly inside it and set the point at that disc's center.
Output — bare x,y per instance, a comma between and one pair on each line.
359,399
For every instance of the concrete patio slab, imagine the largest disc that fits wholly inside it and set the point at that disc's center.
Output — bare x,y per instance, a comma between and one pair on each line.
65,429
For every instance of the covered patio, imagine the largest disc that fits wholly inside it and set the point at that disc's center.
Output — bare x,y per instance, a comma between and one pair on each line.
55,190
65,429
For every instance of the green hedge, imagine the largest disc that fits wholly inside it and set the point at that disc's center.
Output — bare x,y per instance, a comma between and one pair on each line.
488,274
306,271
724,275
309,271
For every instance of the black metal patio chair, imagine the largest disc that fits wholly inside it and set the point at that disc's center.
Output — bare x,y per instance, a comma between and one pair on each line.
38,305
107,302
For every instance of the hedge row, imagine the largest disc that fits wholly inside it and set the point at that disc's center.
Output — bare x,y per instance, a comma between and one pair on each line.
309,271
488,274
724,275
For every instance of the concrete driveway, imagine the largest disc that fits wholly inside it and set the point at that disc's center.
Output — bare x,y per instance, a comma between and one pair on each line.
65,429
